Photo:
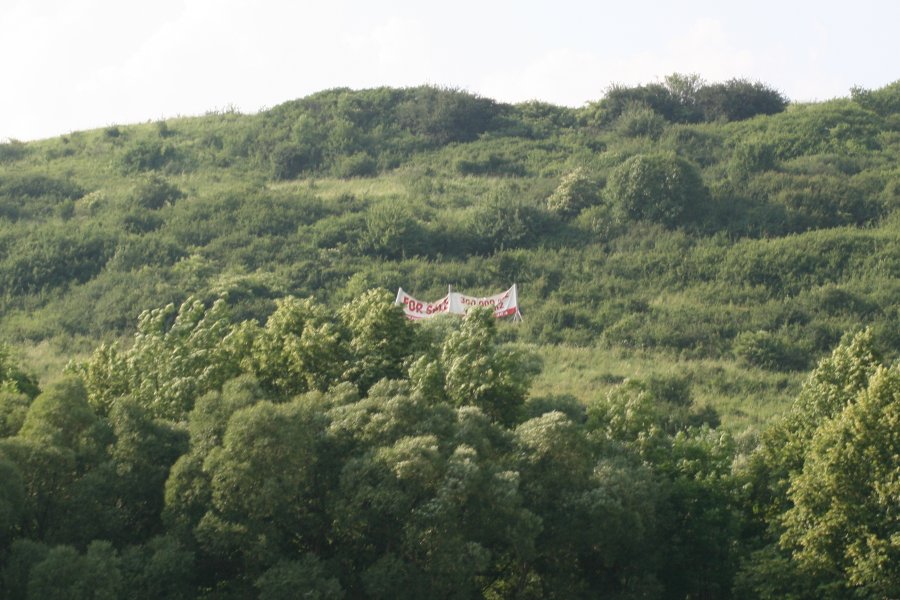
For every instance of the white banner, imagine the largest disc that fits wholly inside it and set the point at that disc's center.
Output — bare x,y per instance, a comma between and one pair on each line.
504,304
416,309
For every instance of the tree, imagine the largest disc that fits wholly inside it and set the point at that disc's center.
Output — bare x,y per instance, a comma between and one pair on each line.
777,477
161,568
178,354
843,527
12,501
657,187
62,417
141,457
481,373
47,473
300,349
686,88
381,338
13,408
65,574
259,480
13,380
288,577
22,555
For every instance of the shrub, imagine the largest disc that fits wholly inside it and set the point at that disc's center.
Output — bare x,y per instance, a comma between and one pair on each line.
769,351
12,150
147,155
575,192
290,160
657,187
739,99
444,115
501,221
391,231
639,120
884,101
751,156
154,193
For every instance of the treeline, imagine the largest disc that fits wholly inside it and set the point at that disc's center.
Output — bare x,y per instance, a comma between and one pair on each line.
351,453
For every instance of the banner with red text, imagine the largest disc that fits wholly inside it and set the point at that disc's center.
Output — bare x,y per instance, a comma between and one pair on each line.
416,309
504,304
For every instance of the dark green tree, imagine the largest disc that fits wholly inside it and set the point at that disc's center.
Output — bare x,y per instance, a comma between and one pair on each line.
287,578
65,574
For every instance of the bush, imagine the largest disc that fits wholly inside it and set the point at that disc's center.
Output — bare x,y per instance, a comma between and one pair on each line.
12,150
154,193
502,221
769,351
739,99
620,99
443,115
391,231
640,120
490,164
575,192
290,160
54,258
147,155
360,164
884,101
751,156
657,187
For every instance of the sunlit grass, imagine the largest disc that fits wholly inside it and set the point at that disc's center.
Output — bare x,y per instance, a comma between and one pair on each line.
384,186
743,396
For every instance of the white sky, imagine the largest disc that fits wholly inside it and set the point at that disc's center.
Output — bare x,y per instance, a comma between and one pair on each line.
67,65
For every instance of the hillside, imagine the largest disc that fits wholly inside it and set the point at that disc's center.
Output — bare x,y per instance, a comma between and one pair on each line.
702,400
778,238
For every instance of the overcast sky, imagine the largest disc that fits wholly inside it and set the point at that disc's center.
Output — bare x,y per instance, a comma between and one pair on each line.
68,65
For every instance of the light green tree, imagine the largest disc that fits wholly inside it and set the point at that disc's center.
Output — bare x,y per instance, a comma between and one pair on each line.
480,372
301,348
178,354
843,527
381,338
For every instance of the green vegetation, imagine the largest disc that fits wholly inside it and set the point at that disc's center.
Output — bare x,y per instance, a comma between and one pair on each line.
244,413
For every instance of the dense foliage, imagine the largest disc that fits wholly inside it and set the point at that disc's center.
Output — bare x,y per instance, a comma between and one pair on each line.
355,454
276,425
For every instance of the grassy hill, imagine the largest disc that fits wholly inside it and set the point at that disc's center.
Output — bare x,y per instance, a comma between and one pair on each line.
245,417
710,232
